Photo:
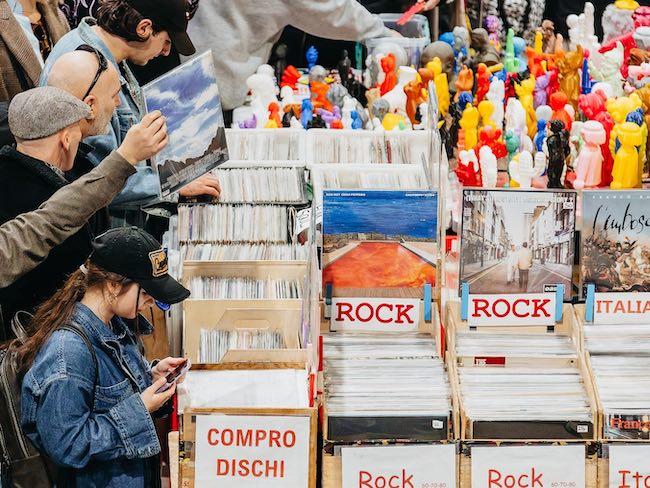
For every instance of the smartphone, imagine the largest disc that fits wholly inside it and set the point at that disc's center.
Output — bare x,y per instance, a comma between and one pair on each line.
173,376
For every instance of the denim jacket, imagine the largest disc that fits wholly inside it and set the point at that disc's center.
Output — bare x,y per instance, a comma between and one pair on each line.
142,188
107,443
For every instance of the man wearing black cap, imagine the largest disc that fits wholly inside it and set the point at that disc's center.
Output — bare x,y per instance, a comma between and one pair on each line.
136,31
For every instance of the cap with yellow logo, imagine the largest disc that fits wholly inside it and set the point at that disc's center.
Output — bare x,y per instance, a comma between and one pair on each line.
136,255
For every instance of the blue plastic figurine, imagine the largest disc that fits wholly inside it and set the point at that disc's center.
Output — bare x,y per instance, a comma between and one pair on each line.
356,120
586,78
520,53
306,112
541,135
464,99
312,57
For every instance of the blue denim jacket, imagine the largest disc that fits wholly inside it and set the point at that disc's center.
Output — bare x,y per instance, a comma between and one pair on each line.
106,443
141,188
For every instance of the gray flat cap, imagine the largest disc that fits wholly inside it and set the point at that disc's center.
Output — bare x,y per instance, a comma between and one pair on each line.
41,112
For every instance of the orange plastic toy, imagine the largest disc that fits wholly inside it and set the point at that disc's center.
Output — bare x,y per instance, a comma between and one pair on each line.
388,67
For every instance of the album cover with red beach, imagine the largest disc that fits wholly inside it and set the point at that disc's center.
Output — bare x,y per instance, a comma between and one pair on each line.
380,243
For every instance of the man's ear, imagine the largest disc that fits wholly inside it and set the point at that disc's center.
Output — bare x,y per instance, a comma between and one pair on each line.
144,29
65,139
91,101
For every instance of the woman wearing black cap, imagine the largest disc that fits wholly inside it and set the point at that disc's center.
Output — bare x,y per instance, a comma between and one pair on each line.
89,395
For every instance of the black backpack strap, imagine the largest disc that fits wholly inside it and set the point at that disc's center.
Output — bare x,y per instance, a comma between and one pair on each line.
74,328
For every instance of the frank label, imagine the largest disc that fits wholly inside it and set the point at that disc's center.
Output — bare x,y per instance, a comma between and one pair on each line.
375,314
619,308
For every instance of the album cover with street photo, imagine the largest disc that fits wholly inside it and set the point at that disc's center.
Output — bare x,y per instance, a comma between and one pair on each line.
517,241
188,97
379,243
616,240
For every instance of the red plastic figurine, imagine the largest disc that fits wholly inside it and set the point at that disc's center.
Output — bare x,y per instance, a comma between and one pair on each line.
482,83
388,67
493,138
557,102
274,113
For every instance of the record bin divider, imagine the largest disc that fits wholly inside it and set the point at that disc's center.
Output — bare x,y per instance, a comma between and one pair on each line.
282,139
567,327
187,436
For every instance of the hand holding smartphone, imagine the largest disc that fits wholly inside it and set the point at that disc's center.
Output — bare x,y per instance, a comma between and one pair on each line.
173,376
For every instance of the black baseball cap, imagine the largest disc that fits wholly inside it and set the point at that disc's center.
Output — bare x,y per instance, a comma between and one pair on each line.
171,16
136,255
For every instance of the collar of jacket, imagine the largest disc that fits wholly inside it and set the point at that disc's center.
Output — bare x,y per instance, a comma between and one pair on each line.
127,78
14,38
35,166
99,333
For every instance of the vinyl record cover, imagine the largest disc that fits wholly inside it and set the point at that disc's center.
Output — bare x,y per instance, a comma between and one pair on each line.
616,240
188,97
517,241
379,242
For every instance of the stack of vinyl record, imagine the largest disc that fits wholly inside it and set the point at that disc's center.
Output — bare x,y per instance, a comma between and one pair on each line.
385,386
623,383
618,339
472,344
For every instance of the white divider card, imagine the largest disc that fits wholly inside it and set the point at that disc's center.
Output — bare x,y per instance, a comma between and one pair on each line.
252,451
621,308
375,314
629,466
421,466
515,309
528,467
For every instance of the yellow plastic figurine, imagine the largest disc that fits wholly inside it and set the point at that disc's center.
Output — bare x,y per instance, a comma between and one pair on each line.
485,110
442,86
618,108
525,91
626,4
469,124
392,120
626,162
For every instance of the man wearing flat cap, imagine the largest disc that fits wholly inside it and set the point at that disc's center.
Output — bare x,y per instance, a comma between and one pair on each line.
136,31
47,123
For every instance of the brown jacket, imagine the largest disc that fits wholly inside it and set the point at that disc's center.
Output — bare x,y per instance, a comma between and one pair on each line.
19,66
27,240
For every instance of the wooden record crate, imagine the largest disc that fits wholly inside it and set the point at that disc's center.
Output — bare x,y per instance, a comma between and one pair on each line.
465,460
433,328
568,328
232,314
332,466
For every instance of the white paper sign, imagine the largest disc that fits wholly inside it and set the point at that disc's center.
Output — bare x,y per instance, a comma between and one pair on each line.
252,451
399,466
528,467
629,466
512,309
375,314
622,308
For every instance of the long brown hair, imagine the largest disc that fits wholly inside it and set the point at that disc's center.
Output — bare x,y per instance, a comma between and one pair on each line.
57,311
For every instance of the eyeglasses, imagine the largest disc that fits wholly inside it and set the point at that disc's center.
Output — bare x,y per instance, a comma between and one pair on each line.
103,65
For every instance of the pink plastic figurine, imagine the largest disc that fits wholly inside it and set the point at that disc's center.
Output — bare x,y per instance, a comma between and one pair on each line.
588,166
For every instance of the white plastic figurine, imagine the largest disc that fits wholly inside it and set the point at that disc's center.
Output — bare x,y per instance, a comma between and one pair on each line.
396,97
617,19
523,171
589,163
263,92
469,159
349,106
496,94
607,68
581,29
287,96
424,117
488,167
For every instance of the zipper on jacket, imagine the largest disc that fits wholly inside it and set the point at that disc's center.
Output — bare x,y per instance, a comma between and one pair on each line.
12,410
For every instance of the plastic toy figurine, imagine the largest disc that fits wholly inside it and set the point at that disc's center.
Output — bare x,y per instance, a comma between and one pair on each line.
485,110
392,121
442,86
356,120
424,117
522,170
249,123
540,95
306,113
607,68
494,26
525,93
413,91
396,97
468,169
461,44
489,169
329,117
280,61
484,50
511,62
618,18
540,137
516,117
312,57
569,76
349,106
636,117
548,37
317,123
388,67
512,144
274,114
290,77
581,29
469,124
319,95
520,53
344,68
482,82
558,101
588,166
465,81
496,95
442,51
626,166
557,145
